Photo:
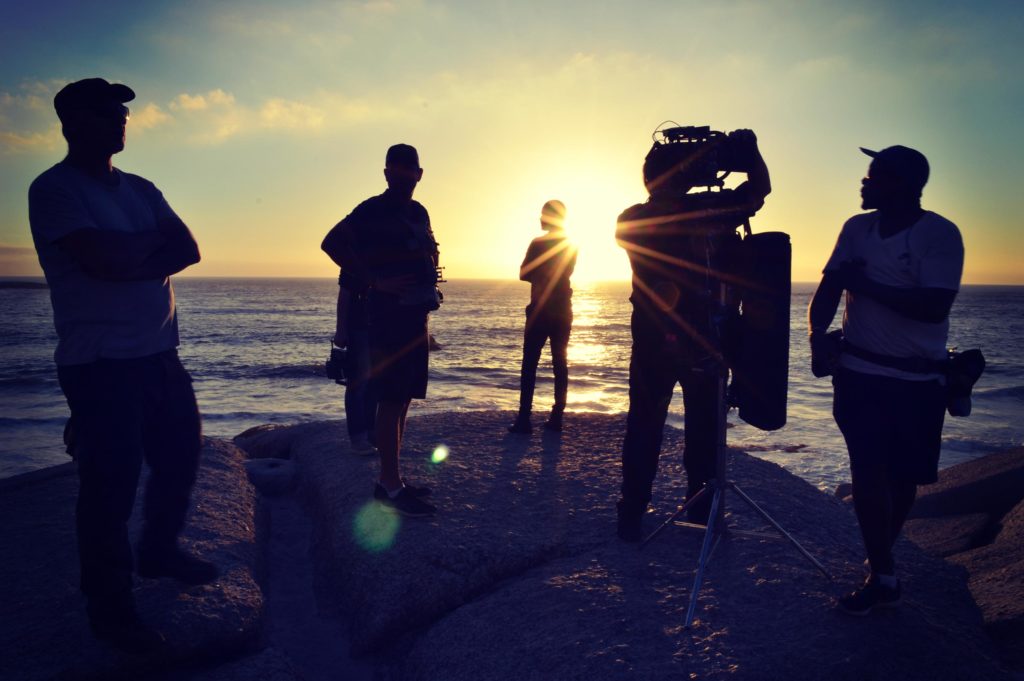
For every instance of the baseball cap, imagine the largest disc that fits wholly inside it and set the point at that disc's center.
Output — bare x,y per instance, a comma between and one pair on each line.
402,155
905,162
88,94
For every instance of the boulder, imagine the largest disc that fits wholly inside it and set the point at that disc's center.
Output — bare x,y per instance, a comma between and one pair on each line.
991,485
49,637
946,535
996,579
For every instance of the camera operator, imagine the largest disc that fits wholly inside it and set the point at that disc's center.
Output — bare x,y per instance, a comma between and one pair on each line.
900,266
679,244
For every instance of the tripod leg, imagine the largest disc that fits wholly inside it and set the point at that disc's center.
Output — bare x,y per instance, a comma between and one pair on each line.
679,511
787,535
710,538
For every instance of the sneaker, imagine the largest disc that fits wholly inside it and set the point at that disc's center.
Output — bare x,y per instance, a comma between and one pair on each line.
362,446
521,425
408,504
122,628
870,596
554,422
379,493
178,565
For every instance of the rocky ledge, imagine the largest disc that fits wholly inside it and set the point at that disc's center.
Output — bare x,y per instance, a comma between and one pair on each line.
44,634
520,575
974,518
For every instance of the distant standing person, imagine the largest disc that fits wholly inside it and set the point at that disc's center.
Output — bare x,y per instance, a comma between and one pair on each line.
387,244
108,243
548,265
900,266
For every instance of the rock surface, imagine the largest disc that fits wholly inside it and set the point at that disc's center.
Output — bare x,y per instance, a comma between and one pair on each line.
974,515
520,575
43,630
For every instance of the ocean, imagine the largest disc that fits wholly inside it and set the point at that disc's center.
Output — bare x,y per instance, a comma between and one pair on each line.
256,348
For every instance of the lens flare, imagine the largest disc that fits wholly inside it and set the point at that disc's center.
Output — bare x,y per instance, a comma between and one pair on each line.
439,454
375,528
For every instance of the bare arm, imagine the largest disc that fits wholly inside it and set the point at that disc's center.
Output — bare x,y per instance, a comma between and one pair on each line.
758,184
824,304
132,256
930,305
820,314
334,245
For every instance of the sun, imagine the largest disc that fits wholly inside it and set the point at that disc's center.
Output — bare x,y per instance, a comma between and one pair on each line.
593,198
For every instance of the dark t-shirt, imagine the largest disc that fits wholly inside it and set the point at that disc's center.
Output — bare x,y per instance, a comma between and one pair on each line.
676,249
548,265
385,237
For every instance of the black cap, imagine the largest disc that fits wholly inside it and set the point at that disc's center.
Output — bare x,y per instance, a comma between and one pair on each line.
89,93
905,162
403,155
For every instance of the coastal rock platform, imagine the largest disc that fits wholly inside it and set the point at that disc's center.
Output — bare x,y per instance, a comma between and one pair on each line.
44,634
520,574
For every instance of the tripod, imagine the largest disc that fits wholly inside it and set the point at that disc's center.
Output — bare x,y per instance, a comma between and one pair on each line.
716,527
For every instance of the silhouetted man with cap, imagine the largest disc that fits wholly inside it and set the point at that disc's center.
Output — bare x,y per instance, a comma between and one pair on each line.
900,267
108,243
386,248
548,265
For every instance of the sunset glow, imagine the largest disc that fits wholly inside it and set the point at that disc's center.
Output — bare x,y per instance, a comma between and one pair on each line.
265,123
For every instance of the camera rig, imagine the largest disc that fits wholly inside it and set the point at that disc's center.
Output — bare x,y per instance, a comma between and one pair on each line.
694,154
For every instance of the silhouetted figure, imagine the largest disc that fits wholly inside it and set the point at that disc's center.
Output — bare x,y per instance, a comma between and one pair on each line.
387,244
360,399
108,243
548,265
678,244
900,266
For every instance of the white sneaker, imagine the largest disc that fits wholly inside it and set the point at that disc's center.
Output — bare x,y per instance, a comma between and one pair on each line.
362,446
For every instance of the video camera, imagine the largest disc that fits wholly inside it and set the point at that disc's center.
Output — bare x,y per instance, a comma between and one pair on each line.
334,367
695,155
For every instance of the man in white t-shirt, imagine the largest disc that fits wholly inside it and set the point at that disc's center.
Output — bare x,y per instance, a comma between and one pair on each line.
108,243
900,267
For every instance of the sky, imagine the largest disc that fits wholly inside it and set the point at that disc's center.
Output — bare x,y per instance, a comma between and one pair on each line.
264,123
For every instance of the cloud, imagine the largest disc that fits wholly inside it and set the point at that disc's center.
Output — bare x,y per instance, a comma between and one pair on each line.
281,113
201,102
12,142
150,116
217,116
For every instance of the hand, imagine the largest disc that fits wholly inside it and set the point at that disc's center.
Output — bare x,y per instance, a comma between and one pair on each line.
397,285
340,336
825,350
743,136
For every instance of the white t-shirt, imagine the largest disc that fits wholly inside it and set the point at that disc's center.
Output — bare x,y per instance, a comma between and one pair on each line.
94,318
929,254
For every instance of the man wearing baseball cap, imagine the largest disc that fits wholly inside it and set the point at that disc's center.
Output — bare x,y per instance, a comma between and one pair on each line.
387,252
108,243
900,266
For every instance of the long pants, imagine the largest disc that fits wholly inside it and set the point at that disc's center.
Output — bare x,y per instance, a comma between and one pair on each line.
123,411
360,397
539,329
653,376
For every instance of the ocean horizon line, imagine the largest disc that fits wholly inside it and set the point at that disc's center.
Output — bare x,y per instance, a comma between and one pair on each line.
8,279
